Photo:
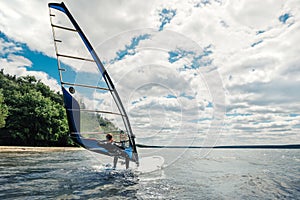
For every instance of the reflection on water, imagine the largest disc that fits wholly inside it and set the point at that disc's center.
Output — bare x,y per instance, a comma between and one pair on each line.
224,174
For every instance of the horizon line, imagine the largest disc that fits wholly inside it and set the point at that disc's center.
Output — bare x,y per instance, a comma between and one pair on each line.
266,146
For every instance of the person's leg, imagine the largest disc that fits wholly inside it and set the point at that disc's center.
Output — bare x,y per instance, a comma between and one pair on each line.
115,162
127,162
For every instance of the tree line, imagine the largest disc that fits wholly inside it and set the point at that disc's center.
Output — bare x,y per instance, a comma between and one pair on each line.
31,114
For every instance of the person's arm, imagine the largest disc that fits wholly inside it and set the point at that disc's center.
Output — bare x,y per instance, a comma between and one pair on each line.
118,145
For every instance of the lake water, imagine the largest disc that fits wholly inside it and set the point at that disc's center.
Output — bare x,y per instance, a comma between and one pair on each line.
222,174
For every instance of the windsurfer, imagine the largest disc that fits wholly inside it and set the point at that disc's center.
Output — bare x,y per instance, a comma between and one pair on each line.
110,140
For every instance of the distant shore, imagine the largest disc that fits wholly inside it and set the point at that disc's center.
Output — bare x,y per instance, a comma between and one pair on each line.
37,149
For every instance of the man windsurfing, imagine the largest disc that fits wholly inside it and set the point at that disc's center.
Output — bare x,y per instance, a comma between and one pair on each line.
110,140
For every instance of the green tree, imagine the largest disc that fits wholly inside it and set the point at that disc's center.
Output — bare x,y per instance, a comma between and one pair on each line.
3,111
35,120
35,117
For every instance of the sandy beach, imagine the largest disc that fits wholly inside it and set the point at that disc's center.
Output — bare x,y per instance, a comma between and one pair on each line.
37,149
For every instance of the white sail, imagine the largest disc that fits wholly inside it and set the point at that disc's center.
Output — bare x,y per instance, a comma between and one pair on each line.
93,105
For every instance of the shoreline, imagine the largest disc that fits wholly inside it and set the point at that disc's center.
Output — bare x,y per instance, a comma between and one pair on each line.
37,149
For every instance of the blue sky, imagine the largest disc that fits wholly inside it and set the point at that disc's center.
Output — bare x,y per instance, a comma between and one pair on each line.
40,61
249,46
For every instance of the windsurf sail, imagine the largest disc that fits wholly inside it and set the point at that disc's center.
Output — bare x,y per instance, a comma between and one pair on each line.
92,103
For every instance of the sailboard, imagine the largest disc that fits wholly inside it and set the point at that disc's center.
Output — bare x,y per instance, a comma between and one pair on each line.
150,164
91,100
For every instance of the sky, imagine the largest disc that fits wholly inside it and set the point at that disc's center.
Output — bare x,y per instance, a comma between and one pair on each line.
206,71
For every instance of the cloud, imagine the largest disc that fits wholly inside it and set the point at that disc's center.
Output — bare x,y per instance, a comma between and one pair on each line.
18,65
8,48
26,23
198,60
253,46
249,15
